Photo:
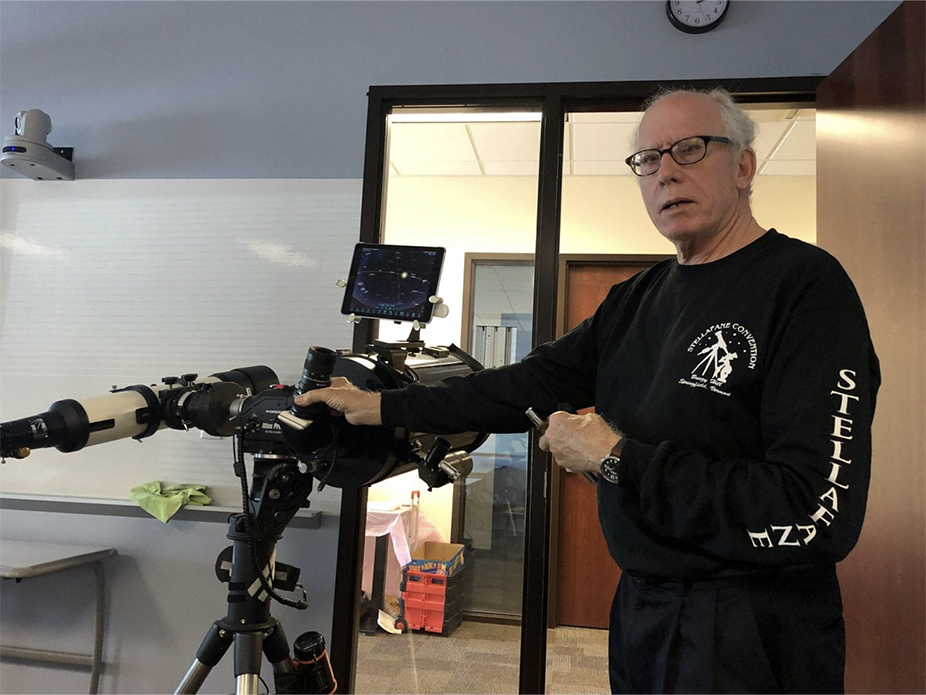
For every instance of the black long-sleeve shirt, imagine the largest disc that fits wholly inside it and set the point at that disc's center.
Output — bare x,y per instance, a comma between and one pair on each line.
745,389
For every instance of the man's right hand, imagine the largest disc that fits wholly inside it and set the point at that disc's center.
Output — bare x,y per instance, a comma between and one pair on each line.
343,398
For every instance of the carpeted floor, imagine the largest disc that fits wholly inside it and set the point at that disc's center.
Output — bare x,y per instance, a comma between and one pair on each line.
478,658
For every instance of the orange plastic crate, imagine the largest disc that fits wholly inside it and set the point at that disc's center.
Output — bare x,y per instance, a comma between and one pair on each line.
431,602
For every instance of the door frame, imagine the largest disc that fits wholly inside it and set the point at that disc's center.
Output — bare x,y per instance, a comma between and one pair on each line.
470,261
554,99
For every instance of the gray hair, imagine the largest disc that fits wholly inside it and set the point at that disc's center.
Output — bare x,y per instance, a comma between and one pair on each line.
737,124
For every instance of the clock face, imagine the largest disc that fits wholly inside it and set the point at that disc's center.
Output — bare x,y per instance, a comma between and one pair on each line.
696,16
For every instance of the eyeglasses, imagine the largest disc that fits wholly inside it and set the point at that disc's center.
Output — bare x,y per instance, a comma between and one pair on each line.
688,151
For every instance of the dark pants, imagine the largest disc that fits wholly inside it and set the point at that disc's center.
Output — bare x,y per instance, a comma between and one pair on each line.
782,633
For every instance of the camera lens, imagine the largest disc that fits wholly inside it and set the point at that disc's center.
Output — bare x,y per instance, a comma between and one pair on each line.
311,660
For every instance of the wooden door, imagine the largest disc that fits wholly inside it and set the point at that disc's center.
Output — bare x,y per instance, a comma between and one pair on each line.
586,576
871,214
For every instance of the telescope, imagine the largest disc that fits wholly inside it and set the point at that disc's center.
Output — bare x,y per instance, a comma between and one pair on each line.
251,404
293,448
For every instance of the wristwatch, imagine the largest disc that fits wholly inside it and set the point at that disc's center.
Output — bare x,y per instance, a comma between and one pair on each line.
610,465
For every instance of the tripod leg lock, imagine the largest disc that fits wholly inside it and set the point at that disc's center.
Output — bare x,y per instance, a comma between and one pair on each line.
214,645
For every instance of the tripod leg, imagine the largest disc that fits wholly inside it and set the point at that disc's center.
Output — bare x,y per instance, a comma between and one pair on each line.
210,652
246,684
248,652
276,649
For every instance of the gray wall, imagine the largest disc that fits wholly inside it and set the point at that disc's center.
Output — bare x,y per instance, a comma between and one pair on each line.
162,597
157,90
277,89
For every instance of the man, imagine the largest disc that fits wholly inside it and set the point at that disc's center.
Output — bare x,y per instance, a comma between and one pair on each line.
734,390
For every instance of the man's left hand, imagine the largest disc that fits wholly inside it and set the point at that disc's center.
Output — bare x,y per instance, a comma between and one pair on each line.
578,442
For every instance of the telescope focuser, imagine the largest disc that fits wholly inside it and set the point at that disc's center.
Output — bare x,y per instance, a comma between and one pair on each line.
437,468
316,374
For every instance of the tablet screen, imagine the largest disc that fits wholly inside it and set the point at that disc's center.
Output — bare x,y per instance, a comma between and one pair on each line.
393,282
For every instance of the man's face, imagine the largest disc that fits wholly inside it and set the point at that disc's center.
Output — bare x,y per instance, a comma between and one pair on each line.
692,203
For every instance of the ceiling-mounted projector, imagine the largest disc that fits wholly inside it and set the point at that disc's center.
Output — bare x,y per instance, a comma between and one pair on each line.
28,152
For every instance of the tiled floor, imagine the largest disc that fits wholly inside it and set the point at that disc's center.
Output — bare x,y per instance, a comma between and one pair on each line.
479,658
483,657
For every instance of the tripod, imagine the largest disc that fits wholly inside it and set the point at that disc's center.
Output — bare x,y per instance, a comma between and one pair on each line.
282,484
249,567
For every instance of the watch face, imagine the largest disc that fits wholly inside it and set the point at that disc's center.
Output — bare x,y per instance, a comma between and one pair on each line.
611,469
696,16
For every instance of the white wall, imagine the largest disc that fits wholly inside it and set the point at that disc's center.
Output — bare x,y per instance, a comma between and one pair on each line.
122,282
125,282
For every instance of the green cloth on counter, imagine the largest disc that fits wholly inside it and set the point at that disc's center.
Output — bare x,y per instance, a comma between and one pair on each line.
163,502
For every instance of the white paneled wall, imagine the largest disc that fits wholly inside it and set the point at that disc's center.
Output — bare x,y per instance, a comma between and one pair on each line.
108,283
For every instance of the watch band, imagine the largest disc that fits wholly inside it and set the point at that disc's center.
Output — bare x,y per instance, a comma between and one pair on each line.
617,449
610,466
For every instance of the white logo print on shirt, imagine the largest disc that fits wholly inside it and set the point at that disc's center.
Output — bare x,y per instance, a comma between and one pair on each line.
720,365
717,349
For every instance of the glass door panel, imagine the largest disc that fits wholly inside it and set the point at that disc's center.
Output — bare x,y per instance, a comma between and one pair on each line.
500,330
467,182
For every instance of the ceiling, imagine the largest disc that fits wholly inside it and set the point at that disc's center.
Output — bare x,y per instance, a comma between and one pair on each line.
596,144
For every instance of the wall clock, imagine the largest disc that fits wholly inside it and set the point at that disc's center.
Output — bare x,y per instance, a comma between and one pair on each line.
696,16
